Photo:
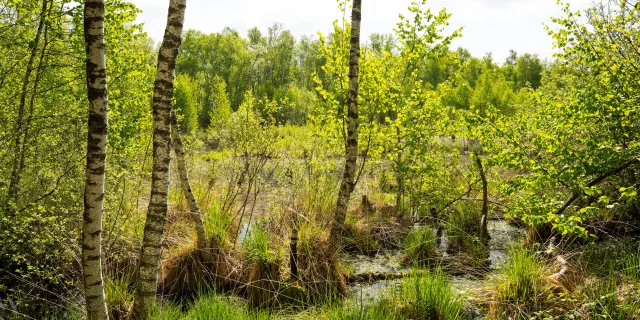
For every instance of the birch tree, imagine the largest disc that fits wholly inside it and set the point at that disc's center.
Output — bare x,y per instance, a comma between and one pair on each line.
194,208
96,159
156,215
351,144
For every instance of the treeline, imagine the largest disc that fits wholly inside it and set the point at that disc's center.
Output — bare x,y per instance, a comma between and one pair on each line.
216,70
567,131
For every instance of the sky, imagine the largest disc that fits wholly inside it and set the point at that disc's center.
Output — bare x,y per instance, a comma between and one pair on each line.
494,26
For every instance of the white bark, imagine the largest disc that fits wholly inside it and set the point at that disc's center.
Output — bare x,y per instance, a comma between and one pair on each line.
194,208
162,97
96,159
351,145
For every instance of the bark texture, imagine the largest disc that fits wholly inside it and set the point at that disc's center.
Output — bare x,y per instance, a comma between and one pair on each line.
96,159
162,97
194,208
351,146
16,170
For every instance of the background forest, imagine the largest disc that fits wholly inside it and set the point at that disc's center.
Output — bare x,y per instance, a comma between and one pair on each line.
480,188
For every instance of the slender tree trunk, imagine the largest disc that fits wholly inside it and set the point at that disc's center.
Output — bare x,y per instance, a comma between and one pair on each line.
162,97
351,146
16,171
194,208
36,83
399,176
96,159
484,233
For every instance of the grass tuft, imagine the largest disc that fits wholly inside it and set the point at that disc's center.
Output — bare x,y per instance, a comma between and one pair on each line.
520,286
420,246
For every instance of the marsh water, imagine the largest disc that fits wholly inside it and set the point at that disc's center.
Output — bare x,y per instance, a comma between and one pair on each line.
502,234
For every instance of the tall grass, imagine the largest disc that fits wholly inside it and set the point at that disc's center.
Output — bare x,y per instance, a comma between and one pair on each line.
604,259
602,303
631,265
218,225
210,307
166,311
463,231
520,286
256,246
430,296
119,296
421,296
420,246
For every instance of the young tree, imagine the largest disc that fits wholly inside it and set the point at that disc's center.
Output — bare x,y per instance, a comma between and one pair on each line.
221,108
96,159
585,128
351,139
156,215
186,104
18,160
194,208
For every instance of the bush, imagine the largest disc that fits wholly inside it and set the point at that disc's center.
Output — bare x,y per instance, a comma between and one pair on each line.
38,249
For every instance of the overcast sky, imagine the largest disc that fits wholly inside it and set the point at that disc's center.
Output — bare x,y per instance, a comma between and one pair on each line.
489,25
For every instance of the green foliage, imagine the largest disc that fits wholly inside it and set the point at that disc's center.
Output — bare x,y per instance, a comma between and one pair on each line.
247,134
492,90
607,258
185,104
603,301
585,125
166,311
39,246
120,297
37,262
221,108
421,296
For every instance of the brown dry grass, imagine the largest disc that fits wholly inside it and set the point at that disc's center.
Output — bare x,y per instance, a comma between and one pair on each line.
184,274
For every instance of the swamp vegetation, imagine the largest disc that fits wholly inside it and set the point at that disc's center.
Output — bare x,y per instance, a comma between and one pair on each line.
337,176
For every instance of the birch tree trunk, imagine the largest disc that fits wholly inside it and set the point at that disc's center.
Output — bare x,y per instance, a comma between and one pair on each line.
96,159
351,146
194,208
16,170
162,98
